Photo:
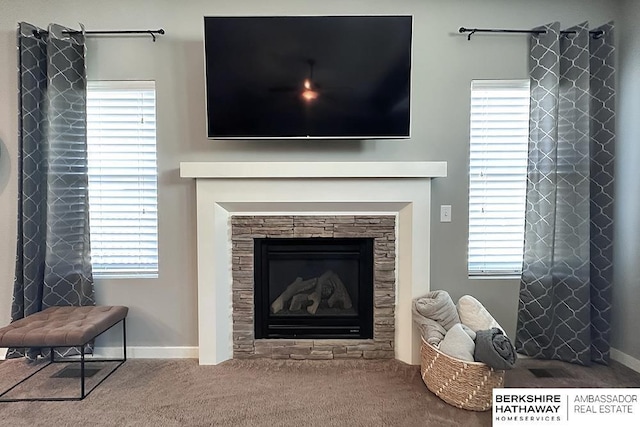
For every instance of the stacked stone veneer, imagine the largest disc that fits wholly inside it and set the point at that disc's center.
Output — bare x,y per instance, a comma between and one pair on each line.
380,228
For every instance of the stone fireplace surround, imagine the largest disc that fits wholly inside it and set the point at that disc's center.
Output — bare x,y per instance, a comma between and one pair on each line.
227,189
380,228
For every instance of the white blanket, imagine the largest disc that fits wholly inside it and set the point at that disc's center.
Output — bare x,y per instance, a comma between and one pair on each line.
473,314
459,342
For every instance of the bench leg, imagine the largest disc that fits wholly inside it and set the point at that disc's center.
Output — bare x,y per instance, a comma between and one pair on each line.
82,372
124,339
124,359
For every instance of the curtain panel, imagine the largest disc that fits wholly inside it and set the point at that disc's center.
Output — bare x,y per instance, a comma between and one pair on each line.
565,291
53,265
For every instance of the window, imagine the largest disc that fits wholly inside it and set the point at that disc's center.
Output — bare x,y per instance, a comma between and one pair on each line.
497,176
123,178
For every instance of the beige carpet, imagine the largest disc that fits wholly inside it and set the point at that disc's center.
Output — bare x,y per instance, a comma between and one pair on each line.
266,393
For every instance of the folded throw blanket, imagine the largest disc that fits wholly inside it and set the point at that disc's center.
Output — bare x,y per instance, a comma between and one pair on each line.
438,306
432,331
474,315
494,349
459,343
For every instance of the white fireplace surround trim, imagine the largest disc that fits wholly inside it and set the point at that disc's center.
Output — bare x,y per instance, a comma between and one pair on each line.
224,189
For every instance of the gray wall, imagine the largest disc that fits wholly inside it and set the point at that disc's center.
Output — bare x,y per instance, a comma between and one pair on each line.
163,310
626,295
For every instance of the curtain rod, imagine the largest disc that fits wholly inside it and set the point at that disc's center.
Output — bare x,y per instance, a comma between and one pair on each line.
596,33
152,33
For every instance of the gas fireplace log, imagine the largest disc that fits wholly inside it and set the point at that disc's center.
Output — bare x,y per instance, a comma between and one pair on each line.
314,297
340,294
299,301
298,286
324,281
310,293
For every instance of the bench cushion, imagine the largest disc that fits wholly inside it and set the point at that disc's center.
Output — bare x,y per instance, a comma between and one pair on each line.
61,326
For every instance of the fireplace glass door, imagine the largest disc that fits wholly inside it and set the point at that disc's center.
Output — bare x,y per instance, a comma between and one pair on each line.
313,287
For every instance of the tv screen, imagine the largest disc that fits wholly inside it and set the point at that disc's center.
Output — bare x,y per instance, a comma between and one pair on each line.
308,76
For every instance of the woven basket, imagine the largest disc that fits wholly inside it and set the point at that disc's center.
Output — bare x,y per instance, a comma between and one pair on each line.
466,385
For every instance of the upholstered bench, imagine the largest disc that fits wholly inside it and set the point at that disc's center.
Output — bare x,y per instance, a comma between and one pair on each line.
64,327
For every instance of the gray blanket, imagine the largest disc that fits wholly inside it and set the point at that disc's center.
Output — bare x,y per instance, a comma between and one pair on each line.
432,331
459,342
494,349
438,306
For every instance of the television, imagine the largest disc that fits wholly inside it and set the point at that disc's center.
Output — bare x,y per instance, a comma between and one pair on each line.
324,77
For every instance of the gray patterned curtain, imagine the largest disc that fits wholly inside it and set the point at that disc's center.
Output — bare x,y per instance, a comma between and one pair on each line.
565,290
53,266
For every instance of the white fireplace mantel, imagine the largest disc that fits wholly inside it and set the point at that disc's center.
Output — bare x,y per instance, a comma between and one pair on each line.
224,189
313,169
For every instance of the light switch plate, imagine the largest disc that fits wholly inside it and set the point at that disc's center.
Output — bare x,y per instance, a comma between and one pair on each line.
445,213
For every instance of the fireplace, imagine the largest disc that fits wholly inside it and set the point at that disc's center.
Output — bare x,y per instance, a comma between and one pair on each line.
313,288
226,191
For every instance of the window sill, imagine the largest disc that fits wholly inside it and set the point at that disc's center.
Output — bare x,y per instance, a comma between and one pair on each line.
494,276
103,276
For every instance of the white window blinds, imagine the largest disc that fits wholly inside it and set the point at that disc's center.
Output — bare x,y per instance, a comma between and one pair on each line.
121,131
497,175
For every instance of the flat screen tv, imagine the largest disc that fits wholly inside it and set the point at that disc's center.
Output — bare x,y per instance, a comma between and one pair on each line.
346,77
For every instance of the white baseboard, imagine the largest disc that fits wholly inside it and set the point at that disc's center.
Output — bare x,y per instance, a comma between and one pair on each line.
629,361
135,352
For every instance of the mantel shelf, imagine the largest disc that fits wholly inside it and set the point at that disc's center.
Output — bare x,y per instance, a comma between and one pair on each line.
274,170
